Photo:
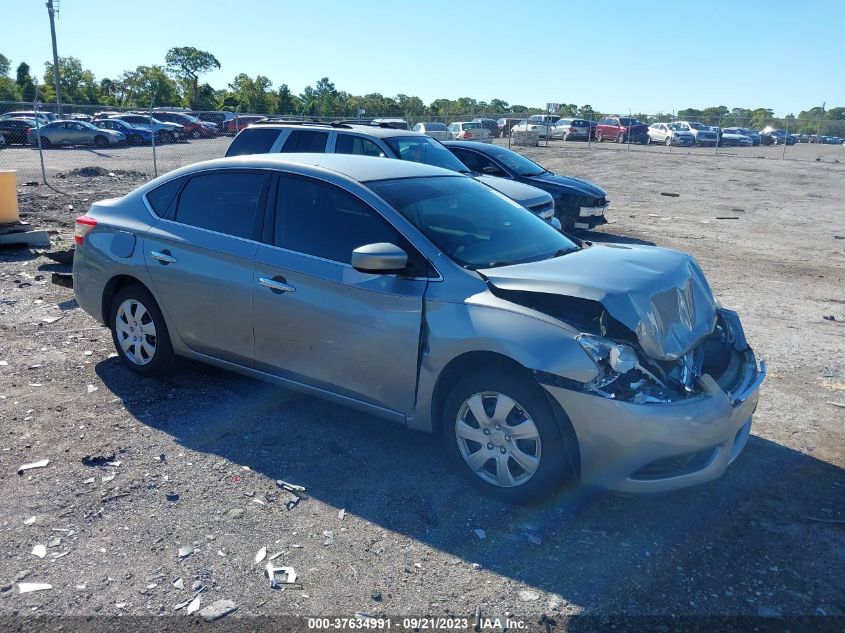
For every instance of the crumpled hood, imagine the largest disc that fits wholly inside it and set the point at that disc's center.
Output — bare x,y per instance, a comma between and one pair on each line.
573,185
526,195
660,294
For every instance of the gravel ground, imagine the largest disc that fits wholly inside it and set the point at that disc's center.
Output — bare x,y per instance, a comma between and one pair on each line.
193,458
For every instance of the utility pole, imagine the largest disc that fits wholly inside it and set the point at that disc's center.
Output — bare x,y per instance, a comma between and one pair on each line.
821,118
52,13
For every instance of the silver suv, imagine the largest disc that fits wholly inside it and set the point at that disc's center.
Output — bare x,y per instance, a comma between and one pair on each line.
422,296
382,141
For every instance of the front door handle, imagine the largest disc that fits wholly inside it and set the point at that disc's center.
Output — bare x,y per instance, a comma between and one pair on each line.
164,258
276,285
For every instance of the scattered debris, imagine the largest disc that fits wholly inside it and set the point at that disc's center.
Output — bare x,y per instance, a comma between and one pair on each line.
92,388
107,478
185,550
279,576
29,521
172,497
179,583
90,480
839,237
670,195
27,587
49,320
54,542
58,555
284,485
727,217
480,533
528,596
258,501
329,534
65,280
829,317
98,460
40,551
194,605
260,555
376,595
217,610
341,514
841,405
39,464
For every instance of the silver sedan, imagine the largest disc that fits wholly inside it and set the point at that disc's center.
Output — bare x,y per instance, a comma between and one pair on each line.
669,134
538,361
75,133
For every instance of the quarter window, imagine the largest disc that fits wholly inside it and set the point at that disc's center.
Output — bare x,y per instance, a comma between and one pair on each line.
255,140
224,202
349,144
325,221
306,141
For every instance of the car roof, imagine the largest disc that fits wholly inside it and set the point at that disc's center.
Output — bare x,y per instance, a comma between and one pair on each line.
484,148
360,168
371,130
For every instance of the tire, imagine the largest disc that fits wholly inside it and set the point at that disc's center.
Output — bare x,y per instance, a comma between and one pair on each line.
542,450
620,138
100,141
667,141
168,137
599,138
195,134
152,354
45,143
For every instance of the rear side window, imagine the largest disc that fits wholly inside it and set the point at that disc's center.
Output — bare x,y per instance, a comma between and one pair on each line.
160,198
349,144
224,202
306,141
255,140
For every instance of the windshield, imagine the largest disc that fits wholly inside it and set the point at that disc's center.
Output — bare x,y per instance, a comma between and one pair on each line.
697,126
422,149
516,162
85,124
626,121
472,224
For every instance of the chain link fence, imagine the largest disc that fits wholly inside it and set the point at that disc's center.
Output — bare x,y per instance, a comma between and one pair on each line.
50,151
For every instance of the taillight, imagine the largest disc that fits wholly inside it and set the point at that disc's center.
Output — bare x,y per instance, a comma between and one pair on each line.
83,227
467,134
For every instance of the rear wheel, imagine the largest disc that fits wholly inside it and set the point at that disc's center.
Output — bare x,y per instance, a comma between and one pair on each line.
100,141
139,332
599,138
668,140
620,138
168,137
501,432
45,143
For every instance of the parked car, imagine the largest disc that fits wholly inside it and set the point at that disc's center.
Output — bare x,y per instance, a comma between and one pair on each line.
2,141
43,117
701,134
233,126
164,132
378,142
669,134
466,130
62,132
488,124
15,130
219,118
400,124
134,135
433,129
775,136
579,204
732,139
506,125
571,129
192,126
531,130
536,359
621,129
753,135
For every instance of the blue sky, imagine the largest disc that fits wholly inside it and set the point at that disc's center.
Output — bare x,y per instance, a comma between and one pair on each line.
645,56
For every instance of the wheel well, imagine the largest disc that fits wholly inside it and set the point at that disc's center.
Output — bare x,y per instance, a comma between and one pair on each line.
115,285
473,361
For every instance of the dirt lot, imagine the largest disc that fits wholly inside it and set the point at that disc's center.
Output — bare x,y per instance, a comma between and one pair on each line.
199,451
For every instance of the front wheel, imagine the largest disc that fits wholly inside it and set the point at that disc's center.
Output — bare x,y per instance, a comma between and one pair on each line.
599,138
668,141
139,332
45,143
502,433
620,138
100,141
168,137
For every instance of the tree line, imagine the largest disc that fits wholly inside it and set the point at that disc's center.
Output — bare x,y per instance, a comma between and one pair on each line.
176,82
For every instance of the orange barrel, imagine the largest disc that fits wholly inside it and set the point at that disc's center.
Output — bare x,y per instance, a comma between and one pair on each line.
8,196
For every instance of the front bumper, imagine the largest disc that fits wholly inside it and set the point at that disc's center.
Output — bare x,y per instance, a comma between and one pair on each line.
640,448
589,217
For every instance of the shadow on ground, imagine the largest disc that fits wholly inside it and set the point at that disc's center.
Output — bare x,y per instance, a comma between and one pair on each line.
747,540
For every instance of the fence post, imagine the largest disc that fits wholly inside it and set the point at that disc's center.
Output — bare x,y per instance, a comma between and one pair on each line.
35,105
629,129
590,130
785,136
153,137
718,136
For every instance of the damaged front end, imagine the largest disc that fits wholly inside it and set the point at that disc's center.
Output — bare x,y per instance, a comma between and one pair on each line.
627,374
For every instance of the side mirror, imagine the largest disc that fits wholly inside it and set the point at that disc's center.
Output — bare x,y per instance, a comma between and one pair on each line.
379,258
492,171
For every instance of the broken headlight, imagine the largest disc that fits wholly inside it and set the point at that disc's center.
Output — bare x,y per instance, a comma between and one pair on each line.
617,377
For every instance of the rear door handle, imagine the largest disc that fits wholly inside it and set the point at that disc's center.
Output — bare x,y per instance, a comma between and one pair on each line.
164,258
276,285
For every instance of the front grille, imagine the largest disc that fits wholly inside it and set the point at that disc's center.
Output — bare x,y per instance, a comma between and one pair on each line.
675,466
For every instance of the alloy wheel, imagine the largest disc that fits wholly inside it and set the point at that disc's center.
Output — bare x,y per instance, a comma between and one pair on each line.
136,332
497,439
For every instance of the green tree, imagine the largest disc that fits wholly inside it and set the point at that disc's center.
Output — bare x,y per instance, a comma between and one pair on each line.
286,102
587,112
251,94
146,85
26,87
5,65
78,84
188,63
498,106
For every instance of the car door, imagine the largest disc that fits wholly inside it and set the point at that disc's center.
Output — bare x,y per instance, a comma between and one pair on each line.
200,258
320,322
